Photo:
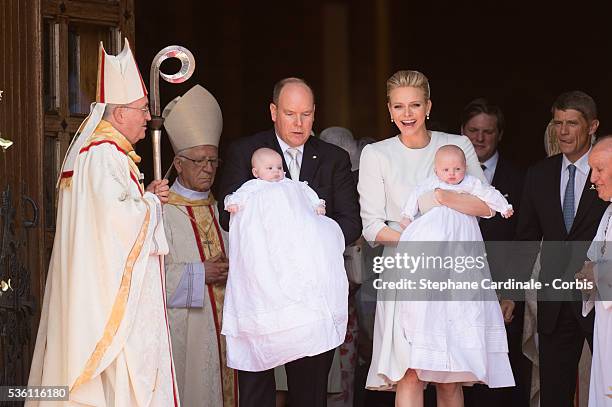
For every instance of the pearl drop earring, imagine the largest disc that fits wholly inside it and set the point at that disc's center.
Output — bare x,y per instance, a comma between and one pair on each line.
391,120
427,115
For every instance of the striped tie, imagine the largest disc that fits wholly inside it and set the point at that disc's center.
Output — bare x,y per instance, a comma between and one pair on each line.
568,199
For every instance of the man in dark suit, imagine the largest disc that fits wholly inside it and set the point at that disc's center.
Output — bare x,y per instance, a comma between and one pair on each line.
483,123
560,207
327,169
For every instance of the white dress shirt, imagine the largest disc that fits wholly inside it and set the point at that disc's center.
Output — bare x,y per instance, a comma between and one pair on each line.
581,176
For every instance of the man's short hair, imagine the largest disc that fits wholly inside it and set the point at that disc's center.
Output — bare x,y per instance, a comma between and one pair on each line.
278,87
482,105
108,110
579,101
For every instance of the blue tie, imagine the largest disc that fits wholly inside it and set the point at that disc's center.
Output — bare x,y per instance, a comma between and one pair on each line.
568,200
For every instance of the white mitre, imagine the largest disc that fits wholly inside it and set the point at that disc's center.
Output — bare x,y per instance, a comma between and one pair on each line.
119,82
194,119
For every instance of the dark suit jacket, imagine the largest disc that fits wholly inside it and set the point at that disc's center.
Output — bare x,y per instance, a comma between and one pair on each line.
541,217
509,181
325,167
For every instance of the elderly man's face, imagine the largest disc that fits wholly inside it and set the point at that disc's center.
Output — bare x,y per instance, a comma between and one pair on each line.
133,119
197,167
600,161
484,135
294,114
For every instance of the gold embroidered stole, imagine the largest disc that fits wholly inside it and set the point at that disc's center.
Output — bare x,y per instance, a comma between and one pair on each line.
207,232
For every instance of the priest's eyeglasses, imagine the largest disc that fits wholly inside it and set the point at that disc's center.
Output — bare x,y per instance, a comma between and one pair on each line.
145,109
204,162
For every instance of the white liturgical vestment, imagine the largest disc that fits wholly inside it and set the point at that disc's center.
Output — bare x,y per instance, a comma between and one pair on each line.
600,389
103,330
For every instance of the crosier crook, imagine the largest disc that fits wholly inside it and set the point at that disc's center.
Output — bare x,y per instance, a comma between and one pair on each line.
184,73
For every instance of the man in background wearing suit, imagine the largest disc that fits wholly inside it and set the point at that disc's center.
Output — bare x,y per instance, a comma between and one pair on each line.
483,123
327,169
560,207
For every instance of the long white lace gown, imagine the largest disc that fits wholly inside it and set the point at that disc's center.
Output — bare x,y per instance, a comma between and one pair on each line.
287,291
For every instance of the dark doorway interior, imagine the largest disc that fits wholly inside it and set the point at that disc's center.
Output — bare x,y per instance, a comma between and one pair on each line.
520,55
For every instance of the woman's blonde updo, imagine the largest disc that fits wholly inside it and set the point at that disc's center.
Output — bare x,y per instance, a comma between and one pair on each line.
402,79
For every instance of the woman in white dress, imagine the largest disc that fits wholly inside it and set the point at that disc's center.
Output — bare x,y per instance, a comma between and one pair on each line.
389,171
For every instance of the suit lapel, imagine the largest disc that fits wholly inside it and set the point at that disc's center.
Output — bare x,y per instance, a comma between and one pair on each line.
586,200
498,176
310,161
502,180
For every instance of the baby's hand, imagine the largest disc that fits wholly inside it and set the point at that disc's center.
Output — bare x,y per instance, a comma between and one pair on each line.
508,213
233,208
320,210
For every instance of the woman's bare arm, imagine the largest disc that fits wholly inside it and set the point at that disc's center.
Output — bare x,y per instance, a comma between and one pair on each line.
464,203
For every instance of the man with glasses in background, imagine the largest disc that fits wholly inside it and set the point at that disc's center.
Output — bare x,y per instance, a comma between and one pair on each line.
196,266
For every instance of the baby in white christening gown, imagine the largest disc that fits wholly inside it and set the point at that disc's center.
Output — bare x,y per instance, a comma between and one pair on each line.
287,291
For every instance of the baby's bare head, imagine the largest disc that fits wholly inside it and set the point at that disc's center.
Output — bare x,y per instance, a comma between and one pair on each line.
450,163
267,165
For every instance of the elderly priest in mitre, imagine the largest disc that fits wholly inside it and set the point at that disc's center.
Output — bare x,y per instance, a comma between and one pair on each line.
103,330
196,267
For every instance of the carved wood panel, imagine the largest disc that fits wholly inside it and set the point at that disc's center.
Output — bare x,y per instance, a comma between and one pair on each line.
20,185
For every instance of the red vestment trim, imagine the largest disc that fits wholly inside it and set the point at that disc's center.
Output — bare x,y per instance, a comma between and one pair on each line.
97,143
137,183
144,88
